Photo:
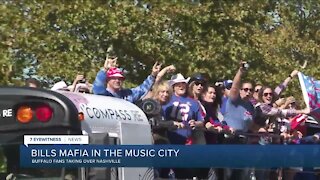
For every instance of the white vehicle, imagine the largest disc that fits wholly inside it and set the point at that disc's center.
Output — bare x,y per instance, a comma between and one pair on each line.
109,120
106,120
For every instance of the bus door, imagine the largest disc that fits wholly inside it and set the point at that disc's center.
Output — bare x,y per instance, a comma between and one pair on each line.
33,111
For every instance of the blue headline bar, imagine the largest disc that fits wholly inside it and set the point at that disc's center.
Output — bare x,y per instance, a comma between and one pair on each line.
170,156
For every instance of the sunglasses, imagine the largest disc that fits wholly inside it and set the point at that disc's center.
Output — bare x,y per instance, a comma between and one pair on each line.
247,89
266,94
257,90
198,82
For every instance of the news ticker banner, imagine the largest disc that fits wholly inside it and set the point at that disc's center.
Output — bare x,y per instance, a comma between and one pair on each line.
53,156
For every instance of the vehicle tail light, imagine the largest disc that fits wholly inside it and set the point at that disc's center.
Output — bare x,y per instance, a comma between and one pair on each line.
24,114
44,113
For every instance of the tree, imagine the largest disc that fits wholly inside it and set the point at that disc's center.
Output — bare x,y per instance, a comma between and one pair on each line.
61,39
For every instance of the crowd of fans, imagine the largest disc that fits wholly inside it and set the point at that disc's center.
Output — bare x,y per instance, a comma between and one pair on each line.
195,111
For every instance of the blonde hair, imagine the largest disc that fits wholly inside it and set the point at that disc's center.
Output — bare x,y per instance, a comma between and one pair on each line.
161,86
190,89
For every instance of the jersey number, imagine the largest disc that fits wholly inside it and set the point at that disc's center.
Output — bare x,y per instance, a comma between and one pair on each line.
180,113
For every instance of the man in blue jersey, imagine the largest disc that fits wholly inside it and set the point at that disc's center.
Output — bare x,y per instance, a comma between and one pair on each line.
239,109
239,116
187,110
184,109
109,81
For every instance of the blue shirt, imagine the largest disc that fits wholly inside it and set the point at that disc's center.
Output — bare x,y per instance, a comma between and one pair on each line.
224,104
239,114
131,95
181,109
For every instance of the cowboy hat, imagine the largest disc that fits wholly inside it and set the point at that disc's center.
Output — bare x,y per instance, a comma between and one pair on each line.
178,78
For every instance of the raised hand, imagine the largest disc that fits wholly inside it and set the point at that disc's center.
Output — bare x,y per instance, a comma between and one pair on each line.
294,73
110,63
170,69
244,65
167,69
79,77
156,69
